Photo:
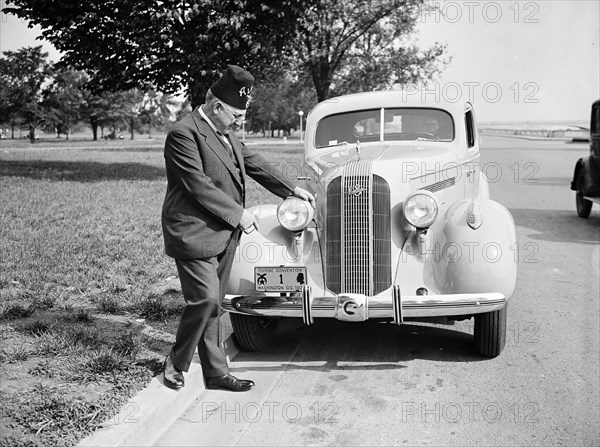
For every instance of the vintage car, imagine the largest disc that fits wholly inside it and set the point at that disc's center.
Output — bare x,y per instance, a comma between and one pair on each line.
586,178
403,229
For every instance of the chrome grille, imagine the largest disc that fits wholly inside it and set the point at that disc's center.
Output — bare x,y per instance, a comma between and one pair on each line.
382,235
356,216
358,254
333,252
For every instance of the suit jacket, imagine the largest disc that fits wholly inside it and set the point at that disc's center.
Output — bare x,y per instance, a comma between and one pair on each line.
205,195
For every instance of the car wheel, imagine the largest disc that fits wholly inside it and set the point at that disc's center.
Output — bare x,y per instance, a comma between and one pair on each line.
253,333
584,207
489,334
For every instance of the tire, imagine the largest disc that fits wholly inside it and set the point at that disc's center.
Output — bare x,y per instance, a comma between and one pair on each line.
584,207
253,333
489,334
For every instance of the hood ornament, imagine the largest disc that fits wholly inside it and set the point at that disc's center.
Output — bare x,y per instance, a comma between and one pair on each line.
358,149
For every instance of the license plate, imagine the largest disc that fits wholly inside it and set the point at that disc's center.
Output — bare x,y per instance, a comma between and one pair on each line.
279,279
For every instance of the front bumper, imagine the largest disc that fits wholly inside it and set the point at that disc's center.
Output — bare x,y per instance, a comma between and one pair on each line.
357,307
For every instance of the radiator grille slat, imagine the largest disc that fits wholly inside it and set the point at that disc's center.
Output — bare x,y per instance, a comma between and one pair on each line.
333,250
358,254
356,216
382,235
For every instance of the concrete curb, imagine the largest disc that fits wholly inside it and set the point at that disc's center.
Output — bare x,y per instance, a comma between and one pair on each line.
147,415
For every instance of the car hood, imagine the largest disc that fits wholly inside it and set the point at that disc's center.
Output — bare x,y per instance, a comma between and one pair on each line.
411,161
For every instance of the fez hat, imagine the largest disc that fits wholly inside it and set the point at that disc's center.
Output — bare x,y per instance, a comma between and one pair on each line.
234,87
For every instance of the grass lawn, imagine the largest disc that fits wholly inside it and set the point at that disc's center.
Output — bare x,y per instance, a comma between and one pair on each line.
83,275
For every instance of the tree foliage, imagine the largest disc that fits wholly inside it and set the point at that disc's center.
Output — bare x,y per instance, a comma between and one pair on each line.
361,45
301,52
379,61
344,45
64,100
276,101
35,93
165,44
155,109
22,75
113,110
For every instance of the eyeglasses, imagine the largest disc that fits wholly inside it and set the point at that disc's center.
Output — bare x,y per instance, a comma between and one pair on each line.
234,115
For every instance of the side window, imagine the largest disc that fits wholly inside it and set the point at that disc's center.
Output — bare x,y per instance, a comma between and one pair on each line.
595,126
470,126
595,130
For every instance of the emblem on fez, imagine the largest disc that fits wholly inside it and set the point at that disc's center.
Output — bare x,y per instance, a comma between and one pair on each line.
246,91
356,191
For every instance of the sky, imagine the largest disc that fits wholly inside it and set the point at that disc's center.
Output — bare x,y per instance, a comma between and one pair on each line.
516,61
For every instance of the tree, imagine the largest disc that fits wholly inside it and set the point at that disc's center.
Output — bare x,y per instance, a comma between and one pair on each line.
164,44
23,73
95,110
64,99
263,112
104,110
373,64
155,109
130,106
9,109
113,110
347,45
278,97
359,45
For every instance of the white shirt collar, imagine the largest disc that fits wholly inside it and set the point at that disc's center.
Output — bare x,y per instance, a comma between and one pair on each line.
207,119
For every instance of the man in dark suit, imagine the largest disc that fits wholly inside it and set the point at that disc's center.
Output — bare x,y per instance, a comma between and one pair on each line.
202,218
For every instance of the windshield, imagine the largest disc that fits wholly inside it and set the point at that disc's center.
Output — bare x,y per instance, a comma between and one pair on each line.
397,124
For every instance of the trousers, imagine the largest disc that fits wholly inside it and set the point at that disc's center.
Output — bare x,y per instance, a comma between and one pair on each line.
203,283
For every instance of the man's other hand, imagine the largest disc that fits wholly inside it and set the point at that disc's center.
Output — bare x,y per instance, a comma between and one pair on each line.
303,194
248,222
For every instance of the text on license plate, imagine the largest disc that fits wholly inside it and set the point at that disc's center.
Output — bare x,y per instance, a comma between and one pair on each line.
279,279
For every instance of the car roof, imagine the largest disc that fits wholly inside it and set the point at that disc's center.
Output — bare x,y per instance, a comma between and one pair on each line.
386,99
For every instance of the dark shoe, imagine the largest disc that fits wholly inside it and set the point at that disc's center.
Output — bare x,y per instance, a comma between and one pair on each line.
228,382
173,377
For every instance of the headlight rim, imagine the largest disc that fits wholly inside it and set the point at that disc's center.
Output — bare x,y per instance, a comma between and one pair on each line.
437,208
309,210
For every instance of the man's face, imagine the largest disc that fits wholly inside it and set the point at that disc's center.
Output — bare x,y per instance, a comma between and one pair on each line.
227,118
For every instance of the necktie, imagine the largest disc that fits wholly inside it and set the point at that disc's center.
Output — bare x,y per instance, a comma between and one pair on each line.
229,146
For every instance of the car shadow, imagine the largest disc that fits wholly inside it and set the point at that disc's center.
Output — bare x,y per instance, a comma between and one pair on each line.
79,171
551,225
333,345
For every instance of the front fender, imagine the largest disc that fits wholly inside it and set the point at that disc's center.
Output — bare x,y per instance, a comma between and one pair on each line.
467,260
591,176
581,164
272,246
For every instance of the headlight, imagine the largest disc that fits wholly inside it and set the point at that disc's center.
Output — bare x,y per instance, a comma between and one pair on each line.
421,209
294,214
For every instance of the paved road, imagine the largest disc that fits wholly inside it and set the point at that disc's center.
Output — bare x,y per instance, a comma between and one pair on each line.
378,384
